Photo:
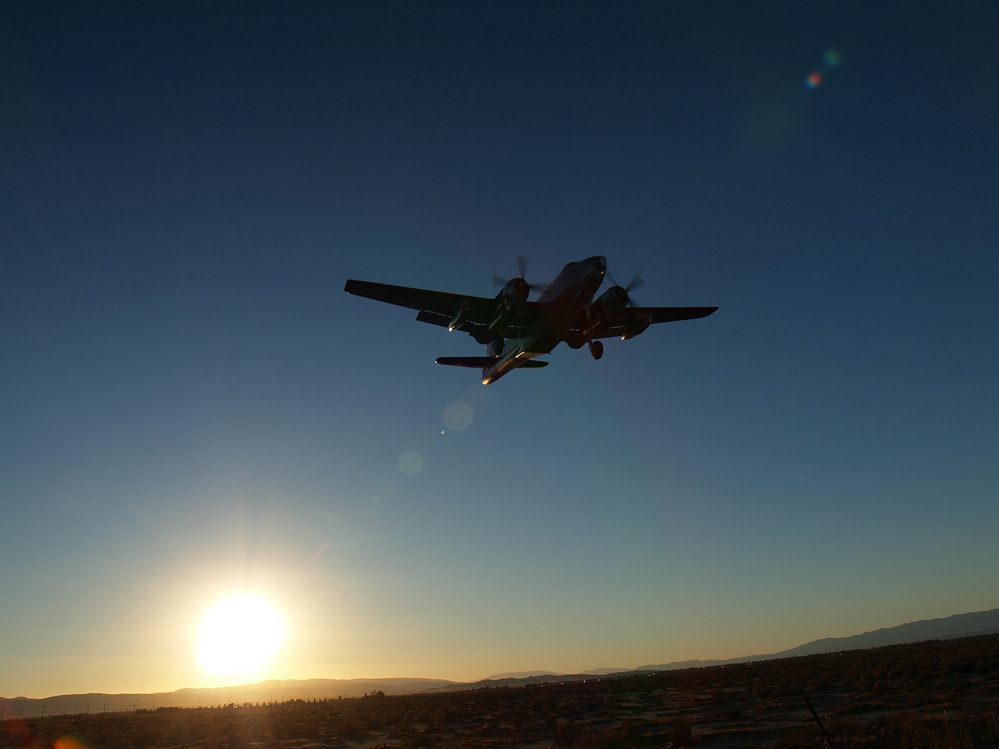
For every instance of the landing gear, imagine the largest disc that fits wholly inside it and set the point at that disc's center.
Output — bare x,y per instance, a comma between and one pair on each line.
596,349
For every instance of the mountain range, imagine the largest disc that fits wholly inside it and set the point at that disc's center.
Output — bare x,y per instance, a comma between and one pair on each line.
959,625
947,628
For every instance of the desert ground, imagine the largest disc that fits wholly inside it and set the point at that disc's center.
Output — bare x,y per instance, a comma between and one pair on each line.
934,694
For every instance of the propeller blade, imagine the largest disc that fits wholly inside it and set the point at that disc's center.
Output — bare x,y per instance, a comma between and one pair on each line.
522,266
636,283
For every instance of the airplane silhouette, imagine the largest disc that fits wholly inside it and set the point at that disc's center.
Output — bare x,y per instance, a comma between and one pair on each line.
516,331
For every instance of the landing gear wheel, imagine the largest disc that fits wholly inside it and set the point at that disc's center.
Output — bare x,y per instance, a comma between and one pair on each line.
596,349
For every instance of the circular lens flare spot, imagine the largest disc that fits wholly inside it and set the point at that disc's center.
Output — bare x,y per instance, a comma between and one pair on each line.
458,415
812,81
68,742
411,462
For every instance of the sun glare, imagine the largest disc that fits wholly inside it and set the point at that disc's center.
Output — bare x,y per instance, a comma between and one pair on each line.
238,637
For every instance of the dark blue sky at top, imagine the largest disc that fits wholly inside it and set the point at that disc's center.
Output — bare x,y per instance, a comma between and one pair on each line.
185,189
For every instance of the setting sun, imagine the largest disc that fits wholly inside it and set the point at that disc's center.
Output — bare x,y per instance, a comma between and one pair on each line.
238,636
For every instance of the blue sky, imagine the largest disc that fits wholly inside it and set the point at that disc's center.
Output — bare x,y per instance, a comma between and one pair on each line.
192,406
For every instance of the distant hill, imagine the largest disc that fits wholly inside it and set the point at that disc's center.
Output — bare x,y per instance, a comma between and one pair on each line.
265,691
947,628
513,681
519,675
606,671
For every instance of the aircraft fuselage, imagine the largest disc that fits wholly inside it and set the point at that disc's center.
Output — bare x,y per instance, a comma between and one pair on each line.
571,291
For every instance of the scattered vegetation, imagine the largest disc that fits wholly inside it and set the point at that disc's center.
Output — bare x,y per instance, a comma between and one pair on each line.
936,694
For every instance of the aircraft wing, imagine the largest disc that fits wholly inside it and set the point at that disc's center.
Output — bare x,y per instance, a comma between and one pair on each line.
671,314
436,302
441,308
636,319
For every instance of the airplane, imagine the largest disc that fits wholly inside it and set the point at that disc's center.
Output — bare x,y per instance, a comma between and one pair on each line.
517,331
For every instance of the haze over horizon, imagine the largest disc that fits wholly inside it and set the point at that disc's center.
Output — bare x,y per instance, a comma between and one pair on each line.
192,407
970,624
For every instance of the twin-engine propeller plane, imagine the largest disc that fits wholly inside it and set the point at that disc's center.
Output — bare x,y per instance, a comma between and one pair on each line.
516,331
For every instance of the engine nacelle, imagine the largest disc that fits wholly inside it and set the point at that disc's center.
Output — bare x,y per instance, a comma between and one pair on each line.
514,293
637,327
459,317
610,305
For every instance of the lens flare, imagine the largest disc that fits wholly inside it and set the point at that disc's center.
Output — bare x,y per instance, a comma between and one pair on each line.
812,81
68,742
458,415
411,462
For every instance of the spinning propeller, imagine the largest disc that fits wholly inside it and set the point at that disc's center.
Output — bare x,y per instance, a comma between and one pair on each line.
520,282
624,292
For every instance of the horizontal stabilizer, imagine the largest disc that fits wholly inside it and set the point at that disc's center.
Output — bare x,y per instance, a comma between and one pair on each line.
481,362
475,362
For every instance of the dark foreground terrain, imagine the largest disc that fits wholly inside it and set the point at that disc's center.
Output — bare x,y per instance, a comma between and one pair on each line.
934,694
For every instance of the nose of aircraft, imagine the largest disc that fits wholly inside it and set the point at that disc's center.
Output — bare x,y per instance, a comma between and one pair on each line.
600,262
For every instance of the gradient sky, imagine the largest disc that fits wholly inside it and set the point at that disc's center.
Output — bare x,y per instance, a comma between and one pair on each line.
190,404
